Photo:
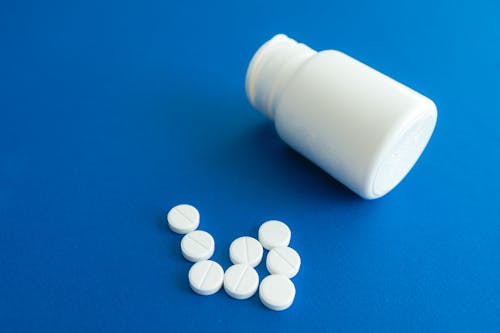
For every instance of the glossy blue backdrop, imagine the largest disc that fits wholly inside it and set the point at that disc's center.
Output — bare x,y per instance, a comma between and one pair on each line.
111,112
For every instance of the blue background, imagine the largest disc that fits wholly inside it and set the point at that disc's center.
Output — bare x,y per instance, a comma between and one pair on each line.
113,112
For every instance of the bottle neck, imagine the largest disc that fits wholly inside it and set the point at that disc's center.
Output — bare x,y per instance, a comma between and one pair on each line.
270,70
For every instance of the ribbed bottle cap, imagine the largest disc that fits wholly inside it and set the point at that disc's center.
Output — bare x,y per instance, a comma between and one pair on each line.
270,70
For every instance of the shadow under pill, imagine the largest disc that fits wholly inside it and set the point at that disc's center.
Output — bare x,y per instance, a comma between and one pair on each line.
182,282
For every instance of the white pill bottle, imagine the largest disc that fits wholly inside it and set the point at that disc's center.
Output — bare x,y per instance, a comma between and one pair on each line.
360,126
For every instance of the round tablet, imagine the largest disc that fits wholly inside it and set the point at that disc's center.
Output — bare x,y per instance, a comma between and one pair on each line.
205,277
183,219
241,281
246,250
277,292
283,260
273,234
197,245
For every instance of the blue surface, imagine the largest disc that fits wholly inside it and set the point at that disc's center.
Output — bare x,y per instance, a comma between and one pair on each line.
112,112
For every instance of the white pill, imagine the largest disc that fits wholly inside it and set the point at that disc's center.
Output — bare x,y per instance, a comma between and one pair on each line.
241,281
197,245
277,292
283,260
205,277
246,250
273,234
183,219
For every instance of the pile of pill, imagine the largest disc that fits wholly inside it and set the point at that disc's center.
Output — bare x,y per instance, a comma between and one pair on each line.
241,280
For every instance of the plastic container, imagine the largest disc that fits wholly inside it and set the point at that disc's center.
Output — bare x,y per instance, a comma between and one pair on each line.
360,126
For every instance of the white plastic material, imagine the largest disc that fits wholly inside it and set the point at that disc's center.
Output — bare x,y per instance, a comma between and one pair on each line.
360,126
284,261
241,281
274,233
197,245
206,277
277,292
246,250
183,219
